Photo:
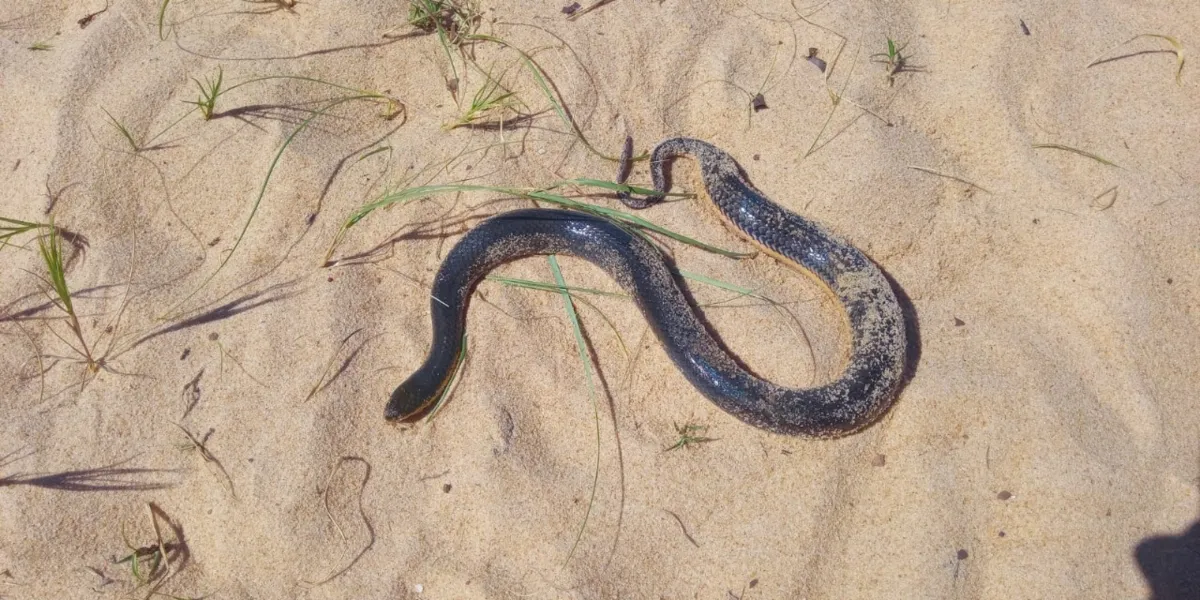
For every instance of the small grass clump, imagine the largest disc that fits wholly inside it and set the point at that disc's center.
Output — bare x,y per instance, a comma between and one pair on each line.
894,60
489,105
450,19
50,246
210,90
453,20
151,564
690,435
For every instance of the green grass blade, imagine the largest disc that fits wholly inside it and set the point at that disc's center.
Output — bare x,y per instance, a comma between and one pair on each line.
51,250
124,131
10,228
585,359
162,14
540,78
458,369
409,194
550,287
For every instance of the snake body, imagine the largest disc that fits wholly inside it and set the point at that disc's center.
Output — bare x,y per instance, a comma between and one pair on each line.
865,389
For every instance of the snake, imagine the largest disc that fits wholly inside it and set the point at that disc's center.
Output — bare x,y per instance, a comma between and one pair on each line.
863,391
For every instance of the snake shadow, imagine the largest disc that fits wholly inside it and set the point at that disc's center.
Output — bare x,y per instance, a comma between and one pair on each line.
912,331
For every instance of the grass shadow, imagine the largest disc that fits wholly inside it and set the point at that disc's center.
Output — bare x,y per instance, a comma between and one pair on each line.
229,309
110,478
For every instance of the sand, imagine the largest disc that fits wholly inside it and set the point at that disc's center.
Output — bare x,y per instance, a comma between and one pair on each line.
1046,445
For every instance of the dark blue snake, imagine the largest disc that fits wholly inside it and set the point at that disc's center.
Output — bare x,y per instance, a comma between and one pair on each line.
862,392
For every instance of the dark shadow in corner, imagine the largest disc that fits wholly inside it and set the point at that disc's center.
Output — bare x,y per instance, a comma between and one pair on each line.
1171,564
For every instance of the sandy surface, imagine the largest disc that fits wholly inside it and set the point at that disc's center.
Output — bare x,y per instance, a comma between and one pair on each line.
1050,430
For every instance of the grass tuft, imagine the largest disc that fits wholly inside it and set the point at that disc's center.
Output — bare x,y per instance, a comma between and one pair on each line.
453,21
894,60
150,564
489,105
50,246
690,435
210,90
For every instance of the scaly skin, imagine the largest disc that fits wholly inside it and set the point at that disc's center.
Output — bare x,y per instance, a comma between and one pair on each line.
864,390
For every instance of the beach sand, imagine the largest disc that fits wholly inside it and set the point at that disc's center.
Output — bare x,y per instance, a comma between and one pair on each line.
1046,445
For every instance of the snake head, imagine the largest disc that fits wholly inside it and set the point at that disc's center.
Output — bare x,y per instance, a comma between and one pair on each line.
409,402
415,397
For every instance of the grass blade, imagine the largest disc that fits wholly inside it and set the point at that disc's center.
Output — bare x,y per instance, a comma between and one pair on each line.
949,176
263,191
585,359
414,193
1094,157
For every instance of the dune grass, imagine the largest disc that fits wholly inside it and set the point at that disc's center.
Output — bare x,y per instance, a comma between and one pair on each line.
640,224
690,436
150,564
453,21
50,247
10,228
949,176
893,59
210,90
556,103
586,360
358,95
491,102
1176,48
1095,157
